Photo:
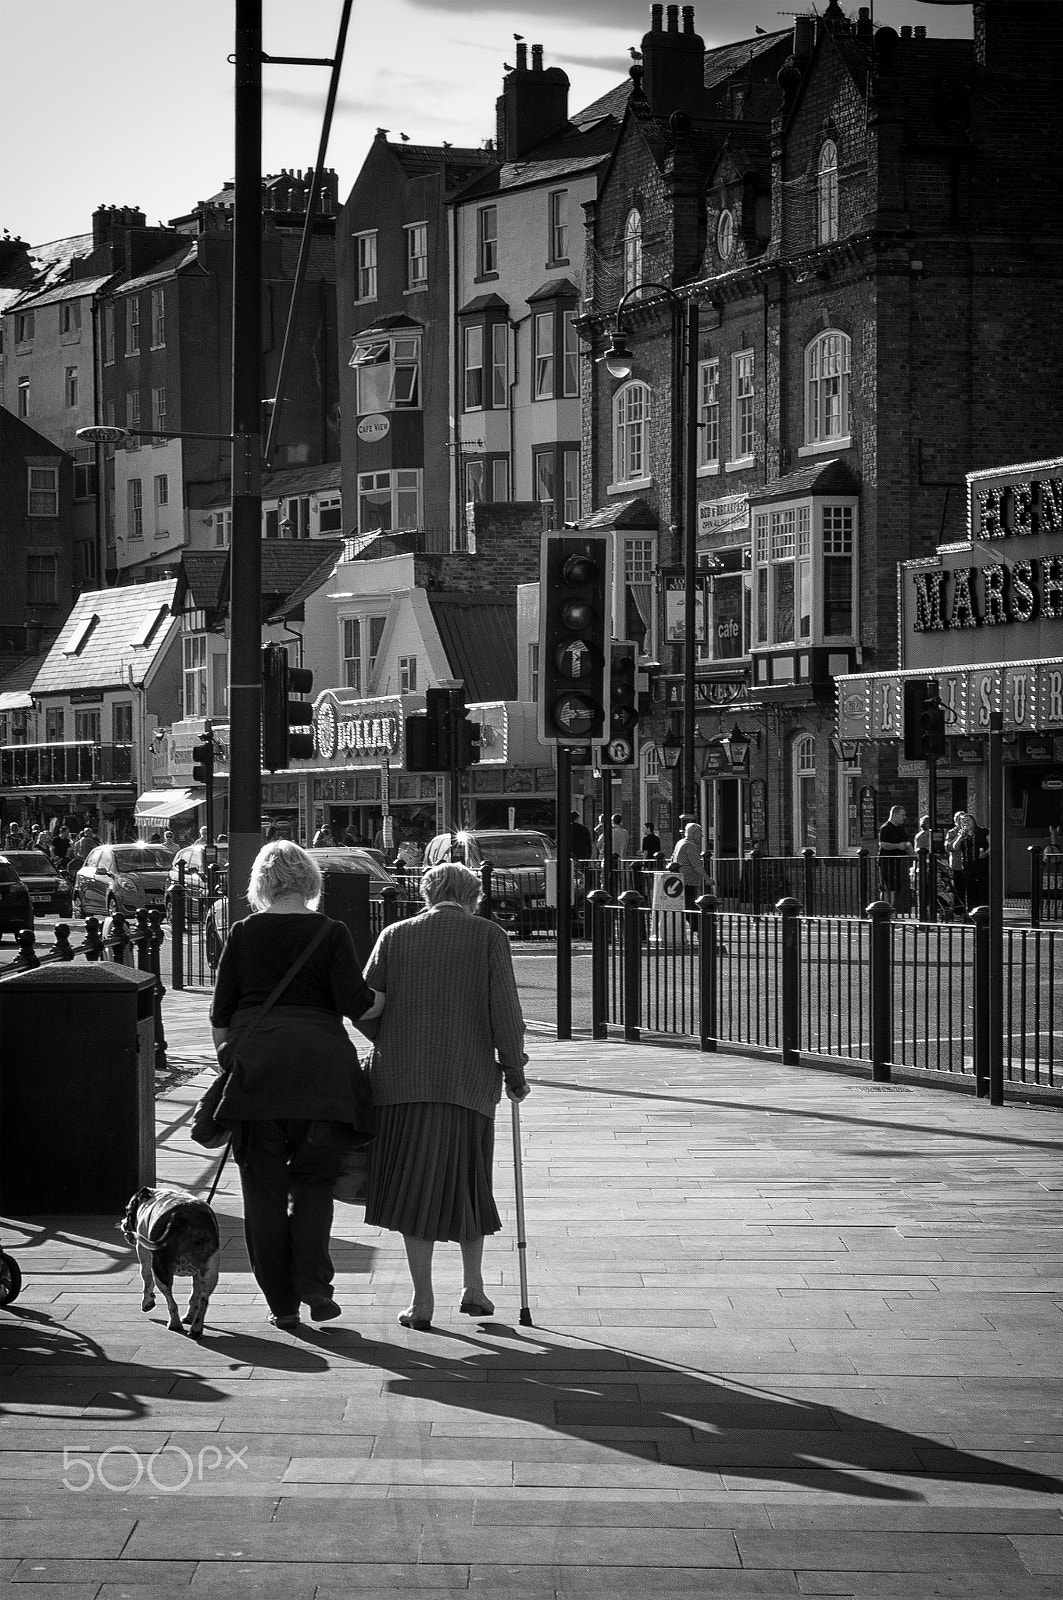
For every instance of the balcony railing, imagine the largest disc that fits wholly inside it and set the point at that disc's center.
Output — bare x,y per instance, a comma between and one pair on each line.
79,764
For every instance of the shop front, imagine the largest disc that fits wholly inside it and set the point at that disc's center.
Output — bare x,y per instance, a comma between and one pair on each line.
984,619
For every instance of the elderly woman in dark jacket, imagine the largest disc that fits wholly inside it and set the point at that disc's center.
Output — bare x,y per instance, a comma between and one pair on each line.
450,1035
296,1092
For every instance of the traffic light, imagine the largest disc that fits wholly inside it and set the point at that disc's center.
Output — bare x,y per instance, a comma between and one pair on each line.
422,752
203,762
575,612
621,746
466,741
924,720
285,721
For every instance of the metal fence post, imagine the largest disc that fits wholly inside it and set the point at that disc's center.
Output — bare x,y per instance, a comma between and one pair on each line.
808,873
790,999
94,946
389,905
177,928
597,901
631,903
980,1000
26,959
487,899
922,884
755,884
62,950
1036,853
881,914
707,905
864,857
155,938
142,939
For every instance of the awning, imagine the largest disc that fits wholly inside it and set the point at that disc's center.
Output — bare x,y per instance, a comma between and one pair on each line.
157,806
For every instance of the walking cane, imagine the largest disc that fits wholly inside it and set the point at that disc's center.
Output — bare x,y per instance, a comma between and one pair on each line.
221,1169
522,1242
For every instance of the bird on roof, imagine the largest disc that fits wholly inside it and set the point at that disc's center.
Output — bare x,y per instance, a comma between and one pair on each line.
507,68
519,38
405,138
636,55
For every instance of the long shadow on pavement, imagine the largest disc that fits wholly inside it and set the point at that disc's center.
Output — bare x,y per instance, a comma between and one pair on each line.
730,1427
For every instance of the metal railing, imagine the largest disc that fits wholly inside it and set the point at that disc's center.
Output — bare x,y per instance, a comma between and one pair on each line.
878,991
1046,887
64,765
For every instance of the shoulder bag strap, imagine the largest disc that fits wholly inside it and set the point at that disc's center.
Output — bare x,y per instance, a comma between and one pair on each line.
299,961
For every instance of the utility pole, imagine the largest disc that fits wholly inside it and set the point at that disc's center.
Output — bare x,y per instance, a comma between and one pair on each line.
245,559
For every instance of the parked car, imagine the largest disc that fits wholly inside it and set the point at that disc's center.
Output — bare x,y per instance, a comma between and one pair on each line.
196,858
518,858
122,877
49,890
16,905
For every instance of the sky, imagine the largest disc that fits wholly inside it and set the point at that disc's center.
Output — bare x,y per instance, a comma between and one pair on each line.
130,103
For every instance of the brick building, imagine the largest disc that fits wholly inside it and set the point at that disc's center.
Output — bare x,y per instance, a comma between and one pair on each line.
879,313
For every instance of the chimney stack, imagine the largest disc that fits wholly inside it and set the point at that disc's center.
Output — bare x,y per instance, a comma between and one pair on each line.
532,106
673,64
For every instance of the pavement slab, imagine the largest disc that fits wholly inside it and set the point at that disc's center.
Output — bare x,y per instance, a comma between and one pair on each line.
790,1338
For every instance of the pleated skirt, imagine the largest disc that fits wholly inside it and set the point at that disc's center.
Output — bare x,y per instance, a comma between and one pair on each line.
430,1172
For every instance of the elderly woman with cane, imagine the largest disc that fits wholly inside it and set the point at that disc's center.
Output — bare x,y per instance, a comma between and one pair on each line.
451,1034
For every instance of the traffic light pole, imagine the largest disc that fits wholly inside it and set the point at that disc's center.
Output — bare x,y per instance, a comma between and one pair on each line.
245,560
564,892
209,797
931,865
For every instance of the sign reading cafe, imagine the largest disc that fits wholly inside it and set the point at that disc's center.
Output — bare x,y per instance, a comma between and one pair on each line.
367,730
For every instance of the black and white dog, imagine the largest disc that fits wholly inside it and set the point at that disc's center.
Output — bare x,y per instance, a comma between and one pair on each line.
173,1232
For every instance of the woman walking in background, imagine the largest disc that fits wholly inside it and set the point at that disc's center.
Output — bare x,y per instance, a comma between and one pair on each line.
451,1033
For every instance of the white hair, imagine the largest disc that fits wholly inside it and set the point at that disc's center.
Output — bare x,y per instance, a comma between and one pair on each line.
281,868
450,881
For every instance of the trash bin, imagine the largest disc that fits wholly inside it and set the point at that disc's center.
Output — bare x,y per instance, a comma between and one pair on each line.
345,896
77,1088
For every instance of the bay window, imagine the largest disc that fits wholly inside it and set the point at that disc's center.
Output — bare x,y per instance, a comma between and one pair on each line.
485,360
555,482
804,573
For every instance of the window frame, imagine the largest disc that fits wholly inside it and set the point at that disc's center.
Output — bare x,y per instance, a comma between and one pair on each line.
557,228
108,333
70,388
132,325
158,414
407,674
631,250
195,656
827,223
361,635
472,366
23,398
554,364
416,233
42,578
487,242
132,417
25,327
69,318
709,416
365,266
743,409
563,460
49,491
135,507
627,428
158,318
399,492
383,351
494,364
819,388
813,537
803,791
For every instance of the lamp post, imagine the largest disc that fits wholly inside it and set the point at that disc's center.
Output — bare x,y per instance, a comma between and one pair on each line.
619,361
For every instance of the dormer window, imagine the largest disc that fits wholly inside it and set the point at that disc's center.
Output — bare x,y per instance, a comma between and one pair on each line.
827,193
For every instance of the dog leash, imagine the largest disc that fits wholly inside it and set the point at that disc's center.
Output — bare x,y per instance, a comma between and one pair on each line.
281,986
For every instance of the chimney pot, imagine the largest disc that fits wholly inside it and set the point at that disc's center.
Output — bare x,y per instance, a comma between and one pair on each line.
656,13
522,57
537,58
906,30
673,19
920,30
688,19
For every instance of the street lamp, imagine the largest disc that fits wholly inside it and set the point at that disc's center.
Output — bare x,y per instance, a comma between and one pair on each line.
736,745
847,750
619,361
671,750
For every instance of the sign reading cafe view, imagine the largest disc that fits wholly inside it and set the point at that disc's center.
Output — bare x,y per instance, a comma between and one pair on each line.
1004,507
340,731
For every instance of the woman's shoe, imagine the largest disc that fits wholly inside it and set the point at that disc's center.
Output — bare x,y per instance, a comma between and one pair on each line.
418,1324
290,1321
324,1310
472,1307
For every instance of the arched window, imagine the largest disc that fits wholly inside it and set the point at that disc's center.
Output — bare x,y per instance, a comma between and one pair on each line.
631,419
827,361
827,193
632,250
804,791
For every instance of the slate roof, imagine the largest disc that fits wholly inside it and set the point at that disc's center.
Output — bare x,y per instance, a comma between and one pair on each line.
320,574
24,674
288,566
199,581
479,634
419,160
820,477
723,61
162,269
108,655
290,481
632,512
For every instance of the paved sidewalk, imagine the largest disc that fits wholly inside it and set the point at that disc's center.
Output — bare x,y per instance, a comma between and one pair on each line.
794,1334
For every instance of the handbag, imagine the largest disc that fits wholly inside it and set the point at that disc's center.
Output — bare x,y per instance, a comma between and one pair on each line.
205,1129
352,1185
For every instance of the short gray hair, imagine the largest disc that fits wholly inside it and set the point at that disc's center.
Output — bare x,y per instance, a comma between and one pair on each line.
282,867
450,881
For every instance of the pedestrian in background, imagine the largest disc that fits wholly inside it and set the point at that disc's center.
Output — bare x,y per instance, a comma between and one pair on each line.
581,844
687,860
451,1033
894,849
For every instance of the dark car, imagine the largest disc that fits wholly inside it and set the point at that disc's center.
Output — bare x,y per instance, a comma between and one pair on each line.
122,877
49,890
353,858
16,906
196,859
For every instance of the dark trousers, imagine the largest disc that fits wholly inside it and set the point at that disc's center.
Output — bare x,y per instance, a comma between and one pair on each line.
287,1217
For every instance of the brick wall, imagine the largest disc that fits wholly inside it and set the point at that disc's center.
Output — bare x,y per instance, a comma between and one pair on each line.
508,539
